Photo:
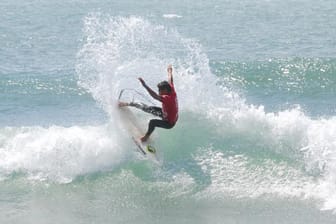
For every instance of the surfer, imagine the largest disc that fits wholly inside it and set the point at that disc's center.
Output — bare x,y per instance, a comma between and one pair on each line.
169,111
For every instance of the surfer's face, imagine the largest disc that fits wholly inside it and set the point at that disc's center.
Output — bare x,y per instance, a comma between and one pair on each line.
163,92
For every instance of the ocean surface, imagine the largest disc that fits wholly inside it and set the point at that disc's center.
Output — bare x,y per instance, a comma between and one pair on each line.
256,137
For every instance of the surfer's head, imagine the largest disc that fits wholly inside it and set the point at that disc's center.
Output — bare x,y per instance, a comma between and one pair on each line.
164,87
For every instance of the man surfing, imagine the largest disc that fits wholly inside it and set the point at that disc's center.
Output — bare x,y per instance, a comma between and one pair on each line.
169,111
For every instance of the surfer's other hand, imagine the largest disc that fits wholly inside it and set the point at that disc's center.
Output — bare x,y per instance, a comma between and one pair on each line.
142,81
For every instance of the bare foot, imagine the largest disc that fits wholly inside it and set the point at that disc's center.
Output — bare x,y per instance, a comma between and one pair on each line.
123,104
144,138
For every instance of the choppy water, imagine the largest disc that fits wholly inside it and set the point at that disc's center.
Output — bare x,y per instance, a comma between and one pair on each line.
255,141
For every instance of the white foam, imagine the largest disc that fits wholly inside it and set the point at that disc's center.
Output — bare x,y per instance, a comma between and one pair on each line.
58,153
119,50
240,176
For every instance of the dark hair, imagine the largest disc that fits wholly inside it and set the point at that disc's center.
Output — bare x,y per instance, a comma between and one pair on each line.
164,85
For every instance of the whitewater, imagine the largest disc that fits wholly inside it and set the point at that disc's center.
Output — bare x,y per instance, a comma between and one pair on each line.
255,141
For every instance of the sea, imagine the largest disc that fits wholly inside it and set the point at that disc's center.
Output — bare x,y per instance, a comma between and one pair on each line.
256,137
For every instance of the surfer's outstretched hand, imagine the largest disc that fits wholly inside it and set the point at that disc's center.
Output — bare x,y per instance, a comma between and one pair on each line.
142,81
169,68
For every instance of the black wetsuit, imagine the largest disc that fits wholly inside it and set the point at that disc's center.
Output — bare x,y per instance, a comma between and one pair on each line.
156,111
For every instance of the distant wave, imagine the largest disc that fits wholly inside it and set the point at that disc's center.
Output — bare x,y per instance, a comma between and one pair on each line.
171,16
306,76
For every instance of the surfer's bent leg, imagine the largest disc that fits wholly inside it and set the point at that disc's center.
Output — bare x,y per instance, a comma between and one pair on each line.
156,111
157,123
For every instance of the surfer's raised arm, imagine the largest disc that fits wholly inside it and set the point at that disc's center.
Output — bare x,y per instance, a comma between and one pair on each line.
149,90
170,74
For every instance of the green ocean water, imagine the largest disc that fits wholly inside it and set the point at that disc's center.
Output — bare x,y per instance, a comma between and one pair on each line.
255,140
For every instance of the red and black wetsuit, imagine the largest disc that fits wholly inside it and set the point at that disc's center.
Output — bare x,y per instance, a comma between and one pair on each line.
168,112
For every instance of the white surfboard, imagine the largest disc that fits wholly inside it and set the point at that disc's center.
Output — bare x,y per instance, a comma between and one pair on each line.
146,149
